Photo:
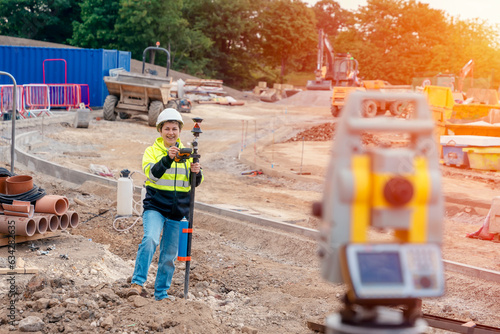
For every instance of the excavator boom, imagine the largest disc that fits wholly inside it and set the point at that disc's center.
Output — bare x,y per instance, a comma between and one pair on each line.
469,67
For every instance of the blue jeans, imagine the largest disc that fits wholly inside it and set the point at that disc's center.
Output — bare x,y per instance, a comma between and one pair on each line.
153,223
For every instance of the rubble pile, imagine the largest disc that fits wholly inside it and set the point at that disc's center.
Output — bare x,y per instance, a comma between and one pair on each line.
326,132
52,305
323,132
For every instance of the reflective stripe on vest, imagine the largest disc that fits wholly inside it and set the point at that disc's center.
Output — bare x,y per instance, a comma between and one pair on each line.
168,181
150,174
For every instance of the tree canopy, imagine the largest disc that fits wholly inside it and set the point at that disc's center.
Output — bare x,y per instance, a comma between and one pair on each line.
44,20
243,41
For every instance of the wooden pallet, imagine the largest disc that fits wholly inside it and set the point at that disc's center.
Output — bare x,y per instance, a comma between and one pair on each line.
4,238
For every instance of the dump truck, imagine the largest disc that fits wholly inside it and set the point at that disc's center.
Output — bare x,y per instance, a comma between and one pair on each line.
339,69
372,108
134,93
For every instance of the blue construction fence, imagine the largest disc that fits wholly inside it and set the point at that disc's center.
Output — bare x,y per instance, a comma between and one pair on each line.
38,65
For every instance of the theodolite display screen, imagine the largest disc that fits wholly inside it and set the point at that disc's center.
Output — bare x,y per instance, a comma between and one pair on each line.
392,271
380,268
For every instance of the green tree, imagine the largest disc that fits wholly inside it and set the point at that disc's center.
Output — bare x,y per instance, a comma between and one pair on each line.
143,23
231,26
399,38
96,28
331,17
476,40
288,34
44,20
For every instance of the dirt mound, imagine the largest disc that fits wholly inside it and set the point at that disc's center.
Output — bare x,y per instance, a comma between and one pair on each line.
326,132
323,132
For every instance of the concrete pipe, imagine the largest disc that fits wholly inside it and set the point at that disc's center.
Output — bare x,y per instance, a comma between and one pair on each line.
42,224
54,204
22,226
52,219
63,221
74,219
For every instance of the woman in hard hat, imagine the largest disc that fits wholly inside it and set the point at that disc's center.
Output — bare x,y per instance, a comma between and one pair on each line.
165,205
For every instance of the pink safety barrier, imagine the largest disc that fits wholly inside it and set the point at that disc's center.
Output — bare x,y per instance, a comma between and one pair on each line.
37,99
65,95
6,99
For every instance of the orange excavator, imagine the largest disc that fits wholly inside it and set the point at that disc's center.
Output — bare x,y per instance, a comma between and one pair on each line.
332,69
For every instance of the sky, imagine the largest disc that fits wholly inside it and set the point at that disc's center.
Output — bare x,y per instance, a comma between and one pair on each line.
464,9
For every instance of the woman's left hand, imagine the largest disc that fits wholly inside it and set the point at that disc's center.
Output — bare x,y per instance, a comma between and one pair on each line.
195,168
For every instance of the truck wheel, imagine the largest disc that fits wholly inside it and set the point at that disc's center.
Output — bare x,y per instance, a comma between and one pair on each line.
155,109
335,111
402,108
108,110
369,109
396,108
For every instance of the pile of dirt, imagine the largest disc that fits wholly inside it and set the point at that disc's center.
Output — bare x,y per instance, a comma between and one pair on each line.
326,132
323,132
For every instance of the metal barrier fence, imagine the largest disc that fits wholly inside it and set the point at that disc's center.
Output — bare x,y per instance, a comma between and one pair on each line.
37,98
6,99
65,95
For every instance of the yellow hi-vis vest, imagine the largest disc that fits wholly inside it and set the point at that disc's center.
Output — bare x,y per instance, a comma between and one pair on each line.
175,178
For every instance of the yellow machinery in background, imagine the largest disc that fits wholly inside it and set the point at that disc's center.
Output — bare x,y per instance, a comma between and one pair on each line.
454,117
372,108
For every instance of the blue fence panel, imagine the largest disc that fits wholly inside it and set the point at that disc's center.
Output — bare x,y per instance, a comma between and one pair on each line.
75,66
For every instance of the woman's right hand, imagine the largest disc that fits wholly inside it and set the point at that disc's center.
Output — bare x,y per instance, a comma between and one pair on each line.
172,151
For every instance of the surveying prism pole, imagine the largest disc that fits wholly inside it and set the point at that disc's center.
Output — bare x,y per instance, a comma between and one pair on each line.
196,158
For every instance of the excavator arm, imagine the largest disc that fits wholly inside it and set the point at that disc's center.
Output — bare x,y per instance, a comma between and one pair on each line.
323,74
469,67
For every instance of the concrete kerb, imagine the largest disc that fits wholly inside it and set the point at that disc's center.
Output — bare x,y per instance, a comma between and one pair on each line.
307,232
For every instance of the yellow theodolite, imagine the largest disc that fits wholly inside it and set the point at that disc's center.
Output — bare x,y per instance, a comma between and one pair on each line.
396,189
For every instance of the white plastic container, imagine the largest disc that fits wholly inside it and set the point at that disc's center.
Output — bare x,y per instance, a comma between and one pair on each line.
125,192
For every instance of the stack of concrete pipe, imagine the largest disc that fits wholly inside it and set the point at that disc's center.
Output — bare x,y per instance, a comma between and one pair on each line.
49,213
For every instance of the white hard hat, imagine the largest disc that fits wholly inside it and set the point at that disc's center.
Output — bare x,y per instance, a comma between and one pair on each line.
169,114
